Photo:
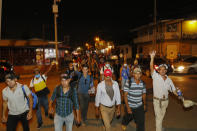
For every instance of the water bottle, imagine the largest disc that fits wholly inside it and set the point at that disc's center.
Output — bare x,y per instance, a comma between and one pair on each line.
179,92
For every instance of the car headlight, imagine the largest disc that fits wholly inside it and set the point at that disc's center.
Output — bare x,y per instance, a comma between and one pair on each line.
180,68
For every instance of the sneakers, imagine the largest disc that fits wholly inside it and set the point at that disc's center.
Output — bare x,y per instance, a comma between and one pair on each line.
39,126
124,127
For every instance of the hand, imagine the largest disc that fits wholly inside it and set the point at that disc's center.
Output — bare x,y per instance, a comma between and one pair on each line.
29,115
4,119
129,111
51,111
118,113
152,54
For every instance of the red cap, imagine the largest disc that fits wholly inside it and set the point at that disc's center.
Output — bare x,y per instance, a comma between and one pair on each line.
107,73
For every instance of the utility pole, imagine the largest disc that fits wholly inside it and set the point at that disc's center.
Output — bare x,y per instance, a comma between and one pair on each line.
155,26
0,16
55,11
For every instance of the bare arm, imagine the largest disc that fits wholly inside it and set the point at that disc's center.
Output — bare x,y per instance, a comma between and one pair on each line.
126,103
78,116
121,73
144,98
51,111
49,69
5,108
30,102
152,56
29,115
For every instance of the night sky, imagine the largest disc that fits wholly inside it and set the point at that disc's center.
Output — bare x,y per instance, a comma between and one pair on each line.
82,20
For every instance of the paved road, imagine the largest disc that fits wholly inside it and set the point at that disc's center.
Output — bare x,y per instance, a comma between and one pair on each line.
177,118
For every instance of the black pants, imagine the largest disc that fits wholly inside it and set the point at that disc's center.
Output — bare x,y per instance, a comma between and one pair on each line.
14,119
138,115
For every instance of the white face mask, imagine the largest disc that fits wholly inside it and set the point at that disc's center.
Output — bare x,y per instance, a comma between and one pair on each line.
125,64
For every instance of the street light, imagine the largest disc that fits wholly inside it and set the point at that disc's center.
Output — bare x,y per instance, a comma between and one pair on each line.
55,11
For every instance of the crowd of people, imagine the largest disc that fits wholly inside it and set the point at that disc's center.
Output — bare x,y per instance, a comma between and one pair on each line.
117,85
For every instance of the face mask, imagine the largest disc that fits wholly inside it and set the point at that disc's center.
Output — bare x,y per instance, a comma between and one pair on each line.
37,76
125,64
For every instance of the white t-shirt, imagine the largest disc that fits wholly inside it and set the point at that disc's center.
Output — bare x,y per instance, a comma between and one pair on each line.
17,103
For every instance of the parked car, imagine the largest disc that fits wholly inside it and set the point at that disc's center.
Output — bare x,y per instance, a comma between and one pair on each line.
5,68
187,65
145,65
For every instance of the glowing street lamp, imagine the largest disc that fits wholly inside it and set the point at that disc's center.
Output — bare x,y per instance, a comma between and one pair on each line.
97,39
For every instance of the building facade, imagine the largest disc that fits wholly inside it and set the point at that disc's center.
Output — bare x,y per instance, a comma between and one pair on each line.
174,38
25,55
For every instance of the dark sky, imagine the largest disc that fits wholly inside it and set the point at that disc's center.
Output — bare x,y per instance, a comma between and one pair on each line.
82,19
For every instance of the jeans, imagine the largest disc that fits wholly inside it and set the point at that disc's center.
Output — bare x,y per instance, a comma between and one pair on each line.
59,121
138,115
38,114
14,119
84,101
43,101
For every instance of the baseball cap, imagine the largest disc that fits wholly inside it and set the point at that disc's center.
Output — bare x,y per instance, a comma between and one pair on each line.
164,65
107,73
36,69
137,70
65,76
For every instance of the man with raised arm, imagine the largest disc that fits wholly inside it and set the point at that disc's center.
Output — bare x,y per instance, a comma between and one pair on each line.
162,84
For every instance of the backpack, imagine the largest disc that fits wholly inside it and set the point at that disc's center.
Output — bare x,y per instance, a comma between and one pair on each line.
34,98
41,77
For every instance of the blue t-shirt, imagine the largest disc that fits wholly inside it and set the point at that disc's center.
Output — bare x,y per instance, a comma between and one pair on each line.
84,83
125,73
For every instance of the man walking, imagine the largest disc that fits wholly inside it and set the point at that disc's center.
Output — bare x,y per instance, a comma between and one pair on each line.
38,83
135,101
162,84
15,101
108,94
85,85
66,98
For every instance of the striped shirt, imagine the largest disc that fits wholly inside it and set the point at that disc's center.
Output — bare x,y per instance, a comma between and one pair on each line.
64,103
135,92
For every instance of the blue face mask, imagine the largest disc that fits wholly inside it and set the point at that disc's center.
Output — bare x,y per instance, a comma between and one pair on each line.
37,76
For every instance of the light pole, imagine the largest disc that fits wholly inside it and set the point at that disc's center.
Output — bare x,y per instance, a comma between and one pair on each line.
55,11
155,25
0,16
